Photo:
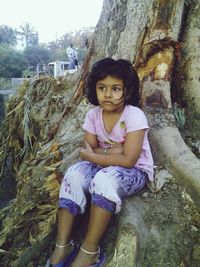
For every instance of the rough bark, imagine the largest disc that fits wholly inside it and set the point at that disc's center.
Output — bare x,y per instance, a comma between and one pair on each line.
146,33
155,69
188,79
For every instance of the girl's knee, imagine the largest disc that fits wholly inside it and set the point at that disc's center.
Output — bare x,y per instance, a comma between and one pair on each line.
104,178
75,185
70,206
82,170
105,187
76,173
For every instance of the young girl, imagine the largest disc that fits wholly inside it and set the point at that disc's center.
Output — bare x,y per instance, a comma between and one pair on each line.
116,162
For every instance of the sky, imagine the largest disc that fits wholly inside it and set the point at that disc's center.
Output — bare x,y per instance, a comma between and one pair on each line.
51,19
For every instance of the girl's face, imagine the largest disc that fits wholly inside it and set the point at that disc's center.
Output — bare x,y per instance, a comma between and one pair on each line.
110,93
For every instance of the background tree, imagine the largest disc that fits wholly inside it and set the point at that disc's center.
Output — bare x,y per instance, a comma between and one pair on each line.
7,35
37,55
30,34
12,62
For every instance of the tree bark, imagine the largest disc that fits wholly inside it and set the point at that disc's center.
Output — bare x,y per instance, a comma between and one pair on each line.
147,33
188,79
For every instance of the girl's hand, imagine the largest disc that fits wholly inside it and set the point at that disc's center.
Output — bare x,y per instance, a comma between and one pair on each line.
88,147
111,150
116,145
115,150
86,152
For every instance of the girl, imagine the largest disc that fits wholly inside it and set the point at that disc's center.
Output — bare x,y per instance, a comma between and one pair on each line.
116,161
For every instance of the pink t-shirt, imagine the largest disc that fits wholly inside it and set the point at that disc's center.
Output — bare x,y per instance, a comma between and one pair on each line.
132,119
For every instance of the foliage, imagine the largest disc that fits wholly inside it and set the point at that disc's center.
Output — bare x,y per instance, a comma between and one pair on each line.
28,73
59,54
12,62
5,83
2,112
7,35
37,210
30,34
37,55
80,39
179,114
82,54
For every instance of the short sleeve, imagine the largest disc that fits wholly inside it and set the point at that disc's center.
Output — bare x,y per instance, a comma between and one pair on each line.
135,120
89,123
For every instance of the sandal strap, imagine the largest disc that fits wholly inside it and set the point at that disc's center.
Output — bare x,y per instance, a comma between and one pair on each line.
89,252
66,245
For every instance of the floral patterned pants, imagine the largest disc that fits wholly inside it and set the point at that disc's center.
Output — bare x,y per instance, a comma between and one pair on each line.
108,186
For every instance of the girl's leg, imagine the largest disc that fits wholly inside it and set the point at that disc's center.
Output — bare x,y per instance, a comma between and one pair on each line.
98,222
100,214
65,223
116,183
99,219
108,188
72,201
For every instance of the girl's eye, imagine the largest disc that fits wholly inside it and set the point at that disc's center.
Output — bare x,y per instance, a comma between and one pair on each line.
102,88
116,89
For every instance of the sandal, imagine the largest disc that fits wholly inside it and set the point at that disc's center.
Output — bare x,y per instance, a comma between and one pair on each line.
101,259
69,259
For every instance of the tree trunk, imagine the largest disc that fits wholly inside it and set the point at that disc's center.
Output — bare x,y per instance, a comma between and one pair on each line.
188,79
155,228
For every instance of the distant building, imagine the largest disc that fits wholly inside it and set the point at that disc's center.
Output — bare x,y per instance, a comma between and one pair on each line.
22,40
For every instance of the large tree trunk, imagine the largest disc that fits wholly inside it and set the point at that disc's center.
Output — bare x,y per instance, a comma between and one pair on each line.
188,78
148,231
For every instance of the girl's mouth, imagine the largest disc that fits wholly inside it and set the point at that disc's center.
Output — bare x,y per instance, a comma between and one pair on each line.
107,102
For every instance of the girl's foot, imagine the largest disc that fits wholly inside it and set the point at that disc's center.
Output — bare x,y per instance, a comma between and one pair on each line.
61,252
85,258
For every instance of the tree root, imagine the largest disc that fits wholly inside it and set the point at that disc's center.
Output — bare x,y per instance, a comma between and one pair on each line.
176,155
125,248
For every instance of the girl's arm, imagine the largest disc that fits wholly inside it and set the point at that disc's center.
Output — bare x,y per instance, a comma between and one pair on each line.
113,149
129,156
93,142
91,139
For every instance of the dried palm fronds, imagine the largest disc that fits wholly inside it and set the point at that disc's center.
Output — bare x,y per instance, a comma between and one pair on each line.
36,162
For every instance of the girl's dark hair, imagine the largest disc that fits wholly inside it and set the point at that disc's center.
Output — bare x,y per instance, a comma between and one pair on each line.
121,69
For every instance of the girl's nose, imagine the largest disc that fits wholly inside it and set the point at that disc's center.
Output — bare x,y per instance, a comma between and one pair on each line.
108,93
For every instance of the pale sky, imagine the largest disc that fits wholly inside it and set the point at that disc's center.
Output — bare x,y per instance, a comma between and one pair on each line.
50,18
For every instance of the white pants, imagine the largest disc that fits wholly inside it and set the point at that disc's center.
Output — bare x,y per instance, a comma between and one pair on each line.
112,183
